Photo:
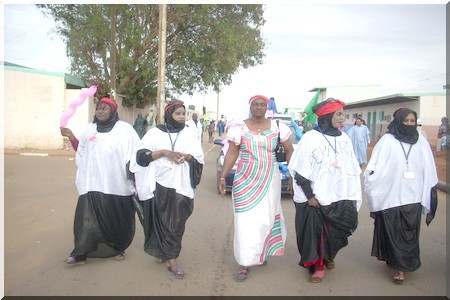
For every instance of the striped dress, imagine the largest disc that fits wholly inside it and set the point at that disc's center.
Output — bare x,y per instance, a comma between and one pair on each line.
259,228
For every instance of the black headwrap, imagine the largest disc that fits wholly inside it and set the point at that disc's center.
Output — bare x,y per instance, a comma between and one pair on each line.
325,111
326,127
405,133
108,124
170,123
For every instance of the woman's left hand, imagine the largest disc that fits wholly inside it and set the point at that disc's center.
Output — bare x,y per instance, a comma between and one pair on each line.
180,158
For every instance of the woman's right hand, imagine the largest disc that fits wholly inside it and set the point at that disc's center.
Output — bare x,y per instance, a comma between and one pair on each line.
222,185
67,133
313,202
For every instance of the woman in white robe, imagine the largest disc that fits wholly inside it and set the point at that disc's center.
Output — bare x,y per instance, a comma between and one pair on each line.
400,181
327,193
168,164
104,222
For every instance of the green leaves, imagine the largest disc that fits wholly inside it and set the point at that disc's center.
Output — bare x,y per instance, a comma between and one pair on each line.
206,45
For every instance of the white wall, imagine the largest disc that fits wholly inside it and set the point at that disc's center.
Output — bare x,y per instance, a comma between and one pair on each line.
33,104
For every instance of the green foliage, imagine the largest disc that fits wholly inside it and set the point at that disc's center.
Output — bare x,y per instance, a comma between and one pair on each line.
205,45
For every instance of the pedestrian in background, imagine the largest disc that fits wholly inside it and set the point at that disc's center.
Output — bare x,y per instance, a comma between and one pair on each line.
272,107
220,127
211,129
197,125
259,228
140,125
420,129
168,165
400,181
360,136
442,132
104,222
327,190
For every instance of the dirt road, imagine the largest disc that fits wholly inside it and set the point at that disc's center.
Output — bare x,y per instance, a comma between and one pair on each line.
39,204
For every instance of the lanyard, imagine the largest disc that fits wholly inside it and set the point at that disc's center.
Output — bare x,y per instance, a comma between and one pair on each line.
170,137
335,147
404,152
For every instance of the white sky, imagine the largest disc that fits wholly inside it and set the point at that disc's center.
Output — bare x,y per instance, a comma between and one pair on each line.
398,46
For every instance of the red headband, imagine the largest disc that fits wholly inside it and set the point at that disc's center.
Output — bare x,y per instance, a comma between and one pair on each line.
330,107
109,101
258,97
173,104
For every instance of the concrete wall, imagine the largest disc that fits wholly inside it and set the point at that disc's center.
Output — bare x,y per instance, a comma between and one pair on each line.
34,103
428,108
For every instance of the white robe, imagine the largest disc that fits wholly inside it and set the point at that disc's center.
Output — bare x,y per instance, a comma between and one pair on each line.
197,128
387,187
162,170
102,157
314,158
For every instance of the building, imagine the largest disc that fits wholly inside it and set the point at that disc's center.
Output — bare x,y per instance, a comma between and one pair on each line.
377,110
34,102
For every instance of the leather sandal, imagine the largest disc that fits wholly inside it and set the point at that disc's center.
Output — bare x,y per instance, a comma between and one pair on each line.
318,275
75,260
330,265
176,272
242,274
399,277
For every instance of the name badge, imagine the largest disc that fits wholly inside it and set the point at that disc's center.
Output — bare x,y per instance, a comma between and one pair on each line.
408,174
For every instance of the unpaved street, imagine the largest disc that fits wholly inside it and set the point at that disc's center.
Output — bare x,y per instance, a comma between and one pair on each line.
39,204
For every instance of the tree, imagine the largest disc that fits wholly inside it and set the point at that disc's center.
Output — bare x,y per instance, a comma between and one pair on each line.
206,45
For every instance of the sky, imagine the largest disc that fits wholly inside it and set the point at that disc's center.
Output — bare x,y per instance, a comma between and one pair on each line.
400,47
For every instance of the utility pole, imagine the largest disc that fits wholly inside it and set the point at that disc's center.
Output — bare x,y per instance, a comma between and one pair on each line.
113,51
161,64
218,110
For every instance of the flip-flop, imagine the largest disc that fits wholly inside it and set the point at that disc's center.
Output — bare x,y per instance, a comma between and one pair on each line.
318,275
399,277
330,265
75,261
120,257
241,275
176,272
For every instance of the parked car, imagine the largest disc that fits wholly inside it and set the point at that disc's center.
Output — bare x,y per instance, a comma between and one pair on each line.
229,178
286,119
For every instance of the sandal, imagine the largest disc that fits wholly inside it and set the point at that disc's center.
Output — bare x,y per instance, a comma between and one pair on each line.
241,275
318,275
330,265
119,257
75,260
399,277
176,272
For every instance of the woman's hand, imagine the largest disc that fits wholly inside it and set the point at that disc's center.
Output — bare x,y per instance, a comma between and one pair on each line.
222,184
179,158
67,133
313,202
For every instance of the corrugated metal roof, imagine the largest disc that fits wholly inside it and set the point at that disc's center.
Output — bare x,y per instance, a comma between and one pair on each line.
68,79
396,98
